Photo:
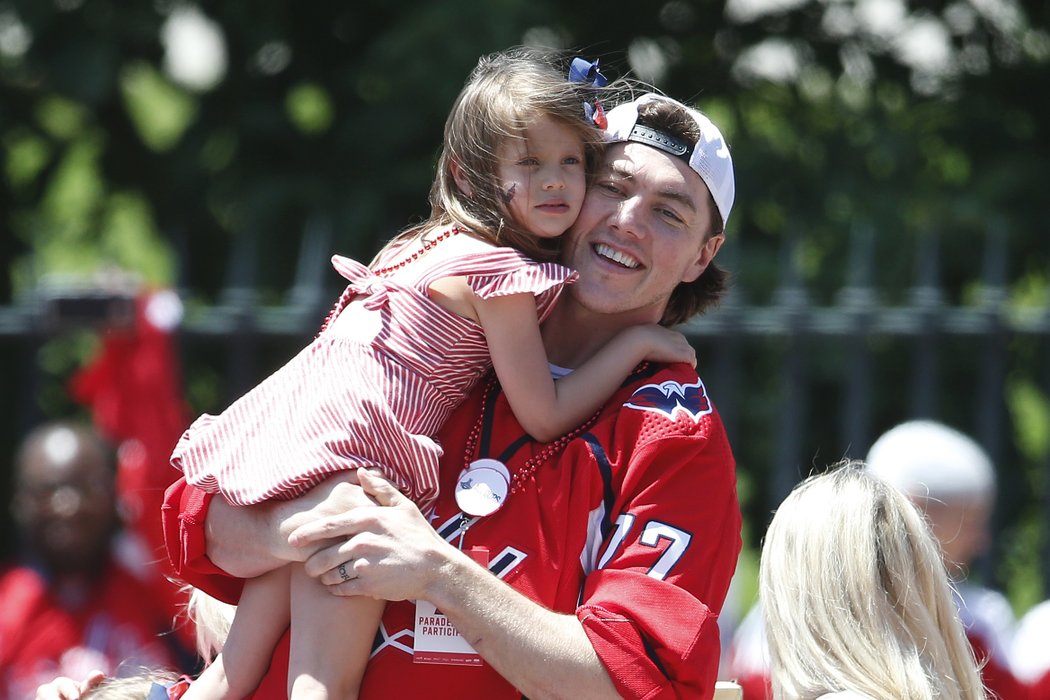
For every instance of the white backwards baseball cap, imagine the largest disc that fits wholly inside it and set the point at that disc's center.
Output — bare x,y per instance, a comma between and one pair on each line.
708,157
924,458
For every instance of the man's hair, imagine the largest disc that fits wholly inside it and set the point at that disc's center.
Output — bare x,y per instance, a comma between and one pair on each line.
503,95
856,598
689,298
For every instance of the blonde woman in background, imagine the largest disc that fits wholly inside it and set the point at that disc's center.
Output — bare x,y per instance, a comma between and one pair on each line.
856,598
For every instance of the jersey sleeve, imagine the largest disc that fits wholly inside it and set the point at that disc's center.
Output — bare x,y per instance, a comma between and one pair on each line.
183,517
651,605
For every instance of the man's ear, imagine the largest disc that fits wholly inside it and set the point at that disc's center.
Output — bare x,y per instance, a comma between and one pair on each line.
459,177
704,257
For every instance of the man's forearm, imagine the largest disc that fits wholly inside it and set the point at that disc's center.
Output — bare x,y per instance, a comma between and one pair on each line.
544,654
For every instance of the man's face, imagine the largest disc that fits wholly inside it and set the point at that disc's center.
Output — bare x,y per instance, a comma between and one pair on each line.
543,177
961,527
642,231
65,502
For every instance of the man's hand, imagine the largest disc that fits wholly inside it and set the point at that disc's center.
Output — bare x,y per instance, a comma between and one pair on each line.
337,495
63,688
387,551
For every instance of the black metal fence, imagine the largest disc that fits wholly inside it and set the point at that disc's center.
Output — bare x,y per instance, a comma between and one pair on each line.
835,376
800,383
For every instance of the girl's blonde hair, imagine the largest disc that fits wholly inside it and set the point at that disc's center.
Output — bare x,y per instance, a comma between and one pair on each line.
503,95
856,598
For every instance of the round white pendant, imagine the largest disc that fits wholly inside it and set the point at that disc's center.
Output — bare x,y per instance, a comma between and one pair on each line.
482,487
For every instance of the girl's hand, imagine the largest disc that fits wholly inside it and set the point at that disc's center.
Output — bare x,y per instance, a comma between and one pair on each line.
659,344
63,688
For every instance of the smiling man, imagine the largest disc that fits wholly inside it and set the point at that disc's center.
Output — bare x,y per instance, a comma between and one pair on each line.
602,571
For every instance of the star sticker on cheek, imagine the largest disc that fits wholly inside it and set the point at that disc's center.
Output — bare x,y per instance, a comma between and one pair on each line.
508,193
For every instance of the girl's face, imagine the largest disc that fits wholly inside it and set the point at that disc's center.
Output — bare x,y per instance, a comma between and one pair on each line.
543,177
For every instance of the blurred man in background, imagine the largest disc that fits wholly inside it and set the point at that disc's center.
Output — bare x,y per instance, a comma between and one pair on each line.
68,605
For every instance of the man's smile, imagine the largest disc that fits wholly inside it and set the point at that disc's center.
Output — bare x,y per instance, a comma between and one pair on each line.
616,256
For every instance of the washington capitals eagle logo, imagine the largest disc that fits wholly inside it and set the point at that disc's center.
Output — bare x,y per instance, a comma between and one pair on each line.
670,397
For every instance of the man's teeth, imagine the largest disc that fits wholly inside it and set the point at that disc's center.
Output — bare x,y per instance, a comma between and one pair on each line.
616,256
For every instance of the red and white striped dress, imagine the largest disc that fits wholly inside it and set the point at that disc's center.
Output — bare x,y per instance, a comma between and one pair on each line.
369,393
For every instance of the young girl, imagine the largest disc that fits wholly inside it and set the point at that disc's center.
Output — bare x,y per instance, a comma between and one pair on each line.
445,301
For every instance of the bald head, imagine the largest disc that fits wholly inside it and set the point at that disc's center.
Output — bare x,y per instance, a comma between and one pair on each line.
64,500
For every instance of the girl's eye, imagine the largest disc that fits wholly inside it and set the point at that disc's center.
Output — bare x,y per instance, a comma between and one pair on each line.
528,161
572,160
